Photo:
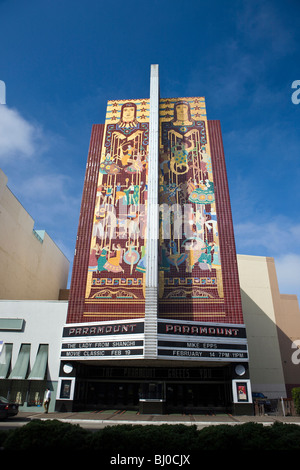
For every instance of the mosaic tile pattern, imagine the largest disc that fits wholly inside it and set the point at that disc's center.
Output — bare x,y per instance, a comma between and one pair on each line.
197,259
116,270
231,285
191,285
82,248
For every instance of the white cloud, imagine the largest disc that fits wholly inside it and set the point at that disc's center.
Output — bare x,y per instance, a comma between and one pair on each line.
18,137
280,235
52,195
45,186
277,235
45,191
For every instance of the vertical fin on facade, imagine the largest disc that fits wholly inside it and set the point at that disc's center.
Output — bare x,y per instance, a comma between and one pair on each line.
151,294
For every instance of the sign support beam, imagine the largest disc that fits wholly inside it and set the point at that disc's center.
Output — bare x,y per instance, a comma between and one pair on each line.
151,291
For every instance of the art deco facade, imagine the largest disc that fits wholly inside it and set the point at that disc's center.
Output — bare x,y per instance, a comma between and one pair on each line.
155,289
162,315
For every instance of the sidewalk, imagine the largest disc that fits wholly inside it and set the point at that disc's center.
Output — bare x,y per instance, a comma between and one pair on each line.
113,417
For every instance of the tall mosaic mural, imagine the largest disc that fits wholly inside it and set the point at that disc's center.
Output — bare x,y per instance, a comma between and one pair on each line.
115,287
190,274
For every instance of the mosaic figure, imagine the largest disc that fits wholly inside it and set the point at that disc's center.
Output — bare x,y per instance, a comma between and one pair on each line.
186,179
118,242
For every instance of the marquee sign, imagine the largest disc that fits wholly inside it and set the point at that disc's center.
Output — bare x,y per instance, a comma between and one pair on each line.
202,329
175,339
103,340
204,341
101,329
101,353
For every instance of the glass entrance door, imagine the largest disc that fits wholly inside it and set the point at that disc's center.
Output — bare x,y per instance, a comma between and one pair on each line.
184,397
97,395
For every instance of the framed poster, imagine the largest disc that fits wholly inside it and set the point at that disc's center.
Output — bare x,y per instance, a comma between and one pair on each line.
65,389
241,391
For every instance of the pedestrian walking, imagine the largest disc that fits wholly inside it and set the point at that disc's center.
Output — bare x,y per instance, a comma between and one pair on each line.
47,400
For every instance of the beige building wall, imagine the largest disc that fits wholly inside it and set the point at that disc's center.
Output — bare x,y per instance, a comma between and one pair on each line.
31,264
258,296
288,323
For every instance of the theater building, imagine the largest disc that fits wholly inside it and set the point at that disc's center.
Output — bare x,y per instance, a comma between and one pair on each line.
161,316
155,318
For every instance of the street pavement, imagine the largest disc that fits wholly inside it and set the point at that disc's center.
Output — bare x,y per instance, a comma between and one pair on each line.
103,418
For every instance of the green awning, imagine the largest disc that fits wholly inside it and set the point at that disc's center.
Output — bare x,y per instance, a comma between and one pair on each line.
5,360
21,367
39,369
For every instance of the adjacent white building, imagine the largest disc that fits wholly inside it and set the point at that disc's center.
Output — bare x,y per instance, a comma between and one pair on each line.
33,277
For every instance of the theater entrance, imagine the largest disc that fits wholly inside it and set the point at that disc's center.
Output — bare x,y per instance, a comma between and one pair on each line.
166,390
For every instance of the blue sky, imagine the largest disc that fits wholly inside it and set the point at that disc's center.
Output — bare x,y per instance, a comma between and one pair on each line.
62,60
